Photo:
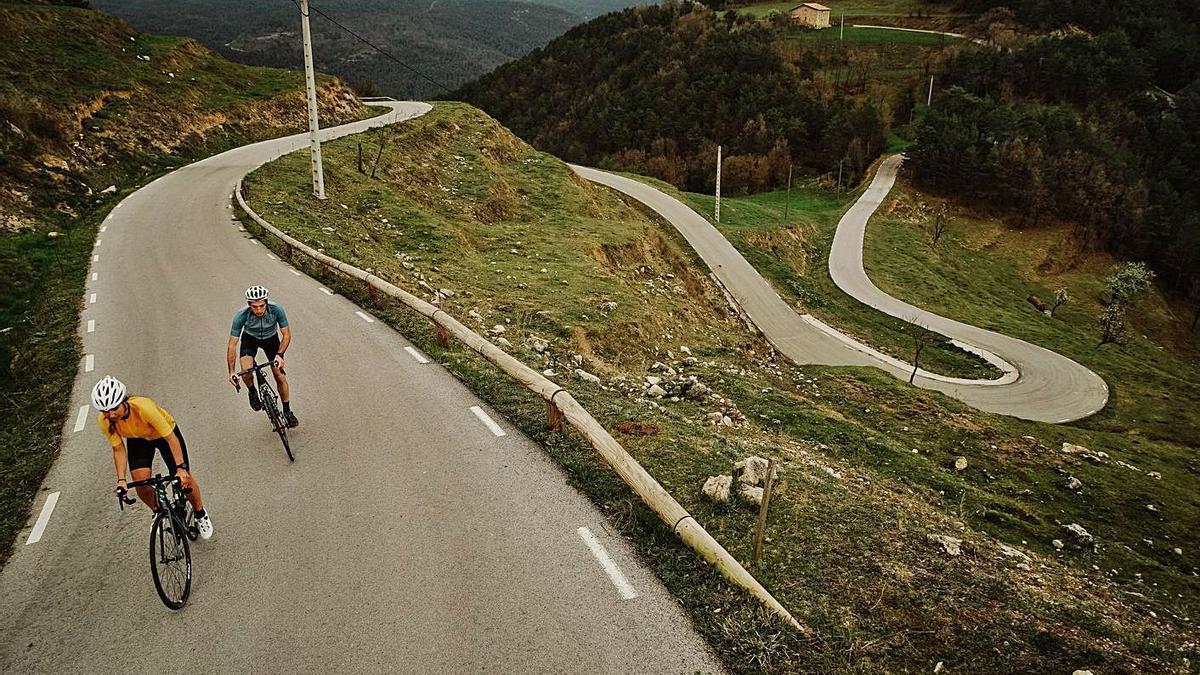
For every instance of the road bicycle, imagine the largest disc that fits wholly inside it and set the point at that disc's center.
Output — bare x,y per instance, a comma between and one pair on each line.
270,402
173,527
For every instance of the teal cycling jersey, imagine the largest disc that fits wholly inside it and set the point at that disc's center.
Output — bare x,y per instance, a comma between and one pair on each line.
260,327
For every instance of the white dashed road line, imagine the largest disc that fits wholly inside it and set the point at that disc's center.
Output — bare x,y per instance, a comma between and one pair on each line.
364,317
272,256
326,291
614,573
92,300
97,244
489,422
40,526
81,418
293,271
89,363
91,325
96,258
95,275
416,355
103,229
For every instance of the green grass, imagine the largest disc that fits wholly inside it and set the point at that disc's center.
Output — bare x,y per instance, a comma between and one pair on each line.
847,551
866,36
854,8
789,245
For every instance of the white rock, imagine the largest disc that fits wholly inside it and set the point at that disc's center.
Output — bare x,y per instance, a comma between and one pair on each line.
1081,534
498,329
716,488
585,375
1177,551
939,668
474,314
1057,543
1082,672
1071,448
503,342
549,372
950,545
750,493
726,421
684,349
1013,552
656,390
1155,475
714,417
652,380
960,463
752,470
1072,483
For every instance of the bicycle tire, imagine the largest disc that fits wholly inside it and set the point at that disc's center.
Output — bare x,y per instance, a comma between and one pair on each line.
170,551
271,404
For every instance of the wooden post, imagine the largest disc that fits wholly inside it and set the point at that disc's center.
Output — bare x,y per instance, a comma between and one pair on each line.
443,336
360,164
761,526
382,142
554,416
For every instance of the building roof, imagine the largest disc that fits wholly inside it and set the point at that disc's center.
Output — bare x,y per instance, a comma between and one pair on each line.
811,5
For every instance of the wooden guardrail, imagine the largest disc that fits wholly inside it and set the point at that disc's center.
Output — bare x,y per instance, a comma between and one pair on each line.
560,405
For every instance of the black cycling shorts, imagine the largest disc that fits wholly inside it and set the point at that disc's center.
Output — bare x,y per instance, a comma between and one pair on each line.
141,452
251,345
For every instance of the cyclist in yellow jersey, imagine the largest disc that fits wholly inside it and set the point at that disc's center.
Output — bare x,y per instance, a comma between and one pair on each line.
135,427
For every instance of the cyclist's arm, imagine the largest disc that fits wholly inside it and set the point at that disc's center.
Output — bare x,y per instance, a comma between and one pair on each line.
176,449
120,461
231,353
285,339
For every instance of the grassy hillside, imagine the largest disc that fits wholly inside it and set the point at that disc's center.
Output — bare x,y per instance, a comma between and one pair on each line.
86,103
460,204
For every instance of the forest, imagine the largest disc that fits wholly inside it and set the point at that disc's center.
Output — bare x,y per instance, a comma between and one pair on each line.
1099,129
655,90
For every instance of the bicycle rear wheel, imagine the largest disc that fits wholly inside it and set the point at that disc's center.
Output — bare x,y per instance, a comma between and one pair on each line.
170,561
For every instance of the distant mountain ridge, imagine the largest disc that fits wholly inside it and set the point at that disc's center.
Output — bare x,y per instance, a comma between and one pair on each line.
449,41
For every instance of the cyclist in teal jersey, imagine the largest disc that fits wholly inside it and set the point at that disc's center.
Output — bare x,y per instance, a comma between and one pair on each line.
261,325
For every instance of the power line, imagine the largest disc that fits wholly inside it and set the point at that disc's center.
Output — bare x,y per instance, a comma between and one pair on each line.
370,44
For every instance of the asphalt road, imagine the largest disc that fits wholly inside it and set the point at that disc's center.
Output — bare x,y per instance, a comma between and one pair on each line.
1038,384
407,536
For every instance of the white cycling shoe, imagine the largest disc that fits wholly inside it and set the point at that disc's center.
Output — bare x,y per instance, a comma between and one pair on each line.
205,526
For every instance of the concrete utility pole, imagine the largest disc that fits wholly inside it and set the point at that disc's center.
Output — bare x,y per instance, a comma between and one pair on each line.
313,126
717,210
929,99
842,30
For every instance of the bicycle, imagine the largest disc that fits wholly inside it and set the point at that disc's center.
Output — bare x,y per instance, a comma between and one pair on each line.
270,402
173,527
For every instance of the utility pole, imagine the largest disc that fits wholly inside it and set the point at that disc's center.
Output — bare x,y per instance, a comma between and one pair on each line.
842,30
929,99
313,126
839,187
718,208
788,203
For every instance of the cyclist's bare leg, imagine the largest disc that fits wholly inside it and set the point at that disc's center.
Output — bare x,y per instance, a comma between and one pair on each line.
194,496
248,363
282,383
145,493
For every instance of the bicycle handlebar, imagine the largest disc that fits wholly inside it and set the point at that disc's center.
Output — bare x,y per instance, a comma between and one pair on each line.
158,479
257,366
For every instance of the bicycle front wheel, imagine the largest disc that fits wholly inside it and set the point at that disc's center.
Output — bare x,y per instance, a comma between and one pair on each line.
278,423
170,561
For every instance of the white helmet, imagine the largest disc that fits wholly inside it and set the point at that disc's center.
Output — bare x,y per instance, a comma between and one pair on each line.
256,293
108,393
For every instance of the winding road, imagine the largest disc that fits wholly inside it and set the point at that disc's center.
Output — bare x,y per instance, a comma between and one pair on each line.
417,530
1037,384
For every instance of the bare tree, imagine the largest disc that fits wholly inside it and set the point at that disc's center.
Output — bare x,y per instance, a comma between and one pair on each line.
937,227
922,337
1061,297
1112,324
1194,295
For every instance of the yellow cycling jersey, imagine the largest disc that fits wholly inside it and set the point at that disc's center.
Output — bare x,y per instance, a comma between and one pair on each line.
146,420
